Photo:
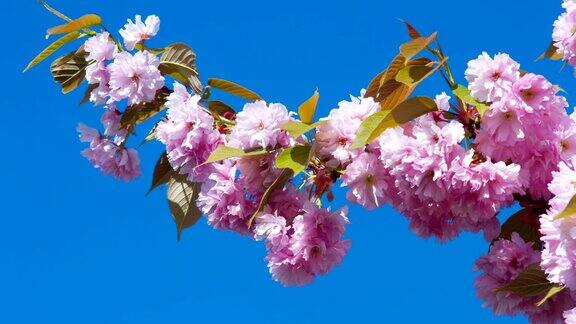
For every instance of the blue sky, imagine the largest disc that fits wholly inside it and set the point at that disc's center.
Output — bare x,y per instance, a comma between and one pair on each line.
78,247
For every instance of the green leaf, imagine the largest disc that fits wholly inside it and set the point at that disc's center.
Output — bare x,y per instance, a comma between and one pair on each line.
295,158
155,51
223,152
373,126
297,129
179,61
525,223
550,53
415,46
284,176
570,209
138,113
551,293
77,24
219,107
233,88
413,74
308,108
464,94
182,195
530,282
53,48
162,172
69,70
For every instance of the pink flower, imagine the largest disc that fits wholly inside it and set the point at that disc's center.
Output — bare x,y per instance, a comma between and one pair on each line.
570,315
490,79
135,77
138,31
288,202
100,47
260,125
564,37
559,254
505,261
338,132
111,158
223,201
529,127
436,184
368,181
503,124
258,172
188,133
442,101
569,5
534,90
479,191
314,246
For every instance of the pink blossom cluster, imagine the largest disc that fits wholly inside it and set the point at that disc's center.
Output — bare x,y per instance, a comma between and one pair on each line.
526,124
448,171
303,244
422,169
302,239
188,133
115,75
504,263
563,36
106,151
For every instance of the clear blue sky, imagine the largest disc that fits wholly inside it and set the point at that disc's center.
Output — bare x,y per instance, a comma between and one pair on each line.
78,247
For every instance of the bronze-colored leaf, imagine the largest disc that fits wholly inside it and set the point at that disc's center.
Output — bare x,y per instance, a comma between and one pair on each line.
76,24
182,196
136,114
233,88
413,47
88,92
550,53
412,32
162,172
530,282
69,70
219,107
373,89
525,223
307,109
179,61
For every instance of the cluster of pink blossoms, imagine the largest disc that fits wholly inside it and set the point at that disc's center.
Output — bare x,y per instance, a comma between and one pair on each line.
447,172
421,169
303,239
106,151
526,124
506,260
563,35
116,75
